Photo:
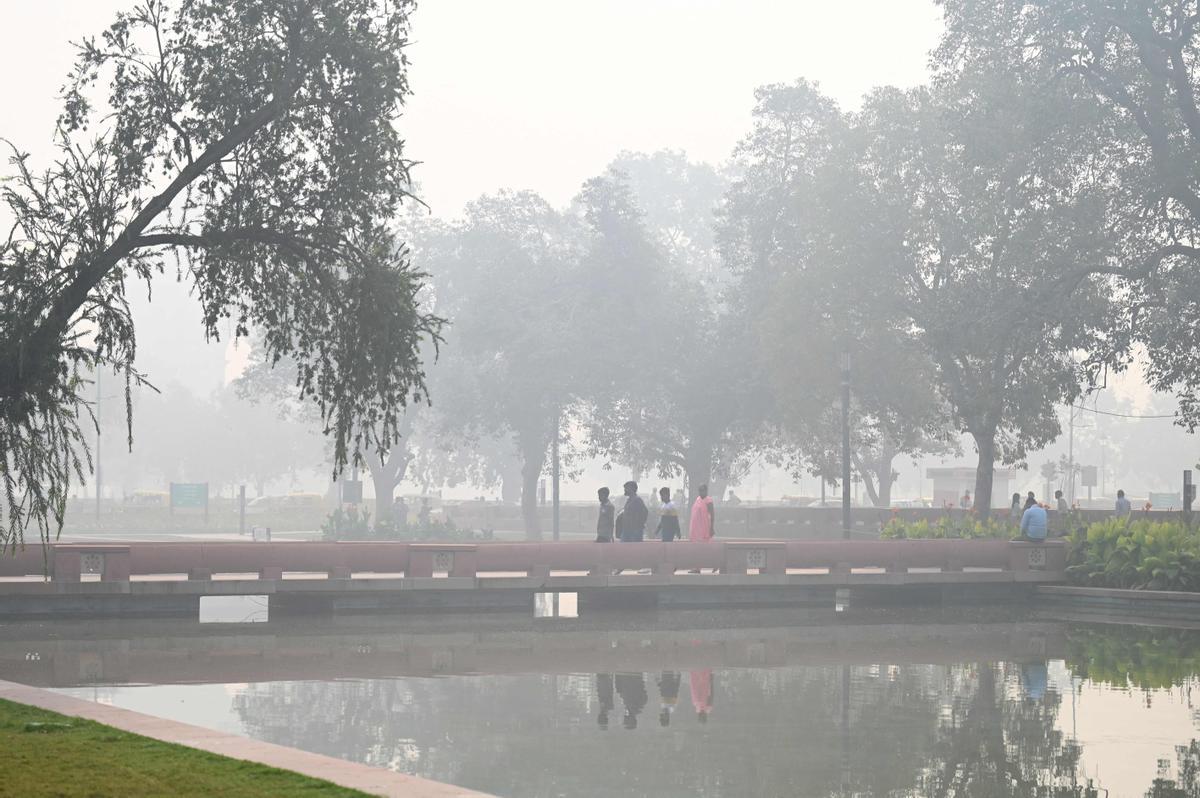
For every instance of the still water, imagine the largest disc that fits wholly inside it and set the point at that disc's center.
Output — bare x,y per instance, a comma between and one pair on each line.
770,703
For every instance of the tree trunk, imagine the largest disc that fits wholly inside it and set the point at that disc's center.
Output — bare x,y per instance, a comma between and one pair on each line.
511,482
533,459
985,444
699,471
386,474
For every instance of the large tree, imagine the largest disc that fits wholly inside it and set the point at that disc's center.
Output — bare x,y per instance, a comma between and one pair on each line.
1141,61
948,216
257,140
508,278
677,406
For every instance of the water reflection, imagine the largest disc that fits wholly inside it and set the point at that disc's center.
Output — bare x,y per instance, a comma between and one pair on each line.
884,707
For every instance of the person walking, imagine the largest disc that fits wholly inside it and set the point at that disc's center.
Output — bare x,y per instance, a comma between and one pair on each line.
606,518
1060,503
1033,522
400,515
631,523
1123,507
704,519
1015,510
966,500
668,518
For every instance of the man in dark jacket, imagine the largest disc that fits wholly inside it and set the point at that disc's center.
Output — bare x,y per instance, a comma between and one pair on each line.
631,523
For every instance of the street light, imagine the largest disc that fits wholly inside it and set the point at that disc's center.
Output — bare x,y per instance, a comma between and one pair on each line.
845,361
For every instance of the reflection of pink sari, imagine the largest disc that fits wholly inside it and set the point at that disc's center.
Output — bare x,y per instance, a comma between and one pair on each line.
700,529
701,684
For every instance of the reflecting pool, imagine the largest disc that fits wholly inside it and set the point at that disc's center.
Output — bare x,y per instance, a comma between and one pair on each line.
795,702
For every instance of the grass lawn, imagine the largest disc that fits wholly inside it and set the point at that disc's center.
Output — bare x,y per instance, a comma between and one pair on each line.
44,753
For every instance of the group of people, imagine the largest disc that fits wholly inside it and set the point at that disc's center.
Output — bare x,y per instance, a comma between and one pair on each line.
631,687
629,524
1034,520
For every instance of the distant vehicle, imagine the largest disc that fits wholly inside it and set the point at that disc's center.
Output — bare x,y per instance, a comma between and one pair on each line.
147,498
291,501
906,504
833,503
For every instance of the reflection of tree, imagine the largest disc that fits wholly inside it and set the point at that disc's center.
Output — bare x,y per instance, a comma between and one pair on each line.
1186,784
1149,658
995,744
913,730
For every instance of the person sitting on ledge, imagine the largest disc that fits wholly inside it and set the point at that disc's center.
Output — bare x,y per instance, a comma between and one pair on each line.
1033,521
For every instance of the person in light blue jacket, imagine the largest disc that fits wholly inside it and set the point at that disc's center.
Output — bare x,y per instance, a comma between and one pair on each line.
1033,521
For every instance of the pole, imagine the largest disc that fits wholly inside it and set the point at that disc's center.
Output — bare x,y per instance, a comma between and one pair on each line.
97,441
554,476
1071,456
1188,489
846,445
241,509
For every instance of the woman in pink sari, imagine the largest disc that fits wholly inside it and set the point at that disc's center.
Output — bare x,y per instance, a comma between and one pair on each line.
703,518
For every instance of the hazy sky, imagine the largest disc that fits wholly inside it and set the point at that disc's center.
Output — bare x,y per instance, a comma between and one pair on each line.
541,94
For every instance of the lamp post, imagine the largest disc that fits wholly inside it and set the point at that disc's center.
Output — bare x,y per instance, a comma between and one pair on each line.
845,359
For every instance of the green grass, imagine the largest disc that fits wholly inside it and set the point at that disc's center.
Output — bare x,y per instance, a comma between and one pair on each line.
47,754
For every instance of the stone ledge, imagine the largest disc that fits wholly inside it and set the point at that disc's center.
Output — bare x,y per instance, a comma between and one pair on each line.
371,780
1119,593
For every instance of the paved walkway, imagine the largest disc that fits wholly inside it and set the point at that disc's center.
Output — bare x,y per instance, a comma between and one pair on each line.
375,781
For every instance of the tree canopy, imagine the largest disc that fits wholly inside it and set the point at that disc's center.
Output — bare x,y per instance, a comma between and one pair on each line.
255,141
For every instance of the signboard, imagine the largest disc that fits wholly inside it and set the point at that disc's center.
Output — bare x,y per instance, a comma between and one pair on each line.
351,492
1089,474
189,495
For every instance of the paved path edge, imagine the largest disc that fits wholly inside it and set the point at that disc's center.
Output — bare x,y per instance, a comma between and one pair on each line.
372,780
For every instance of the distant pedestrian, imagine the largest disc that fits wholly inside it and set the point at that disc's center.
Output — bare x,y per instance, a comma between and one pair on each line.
1033,522
668,518
605,520
1123,507
400,514
631,522
703,522
423,513
1060,503
1015,510
679,499
966,500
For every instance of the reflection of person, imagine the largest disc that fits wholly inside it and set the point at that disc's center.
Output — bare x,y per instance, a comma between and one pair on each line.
701,683
1033,680
604,692
604,521
668,519
632,689
703,520
668,691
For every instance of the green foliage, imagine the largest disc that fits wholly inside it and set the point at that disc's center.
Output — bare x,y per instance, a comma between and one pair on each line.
1141,554
1147,658
355,524
967,527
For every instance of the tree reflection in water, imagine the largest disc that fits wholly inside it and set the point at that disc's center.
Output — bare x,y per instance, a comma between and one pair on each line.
914,730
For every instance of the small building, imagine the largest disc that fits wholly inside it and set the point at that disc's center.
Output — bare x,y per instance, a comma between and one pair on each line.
949,484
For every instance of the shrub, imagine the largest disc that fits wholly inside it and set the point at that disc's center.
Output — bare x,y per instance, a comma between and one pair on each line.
965,527
1144,554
